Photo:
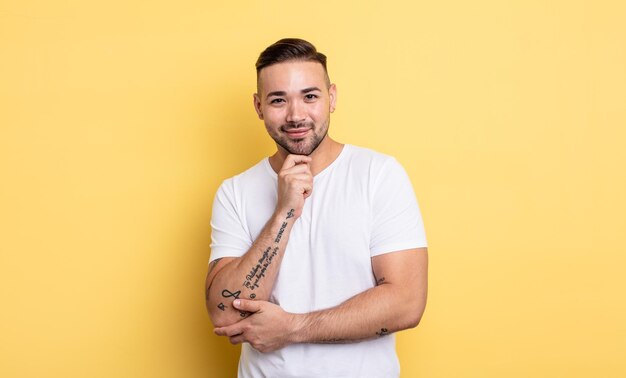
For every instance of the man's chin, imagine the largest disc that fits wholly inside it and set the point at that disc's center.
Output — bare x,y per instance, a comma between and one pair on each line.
304,146
295,149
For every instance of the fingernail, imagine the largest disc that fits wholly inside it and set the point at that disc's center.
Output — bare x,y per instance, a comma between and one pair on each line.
236,302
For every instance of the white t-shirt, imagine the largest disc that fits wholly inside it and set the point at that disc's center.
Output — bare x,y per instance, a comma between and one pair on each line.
362,205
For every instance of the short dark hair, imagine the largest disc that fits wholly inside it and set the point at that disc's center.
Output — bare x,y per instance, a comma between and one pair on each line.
290,49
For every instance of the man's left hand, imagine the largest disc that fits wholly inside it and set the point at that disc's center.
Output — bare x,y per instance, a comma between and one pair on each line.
267,328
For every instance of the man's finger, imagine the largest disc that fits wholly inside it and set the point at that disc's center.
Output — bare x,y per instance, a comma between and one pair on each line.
293,160
247,305
231,330
238,339
297,169
307,192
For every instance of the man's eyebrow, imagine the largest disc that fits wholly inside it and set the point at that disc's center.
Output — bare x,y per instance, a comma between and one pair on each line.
310,89
283,93
277,93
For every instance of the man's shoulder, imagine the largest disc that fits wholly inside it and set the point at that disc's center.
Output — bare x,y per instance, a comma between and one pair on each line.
373,166
260,169
367,152
368,157
250,177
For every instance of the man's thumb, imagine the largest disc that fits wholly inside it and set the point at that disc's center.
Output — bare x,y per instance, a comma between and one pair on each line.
246,305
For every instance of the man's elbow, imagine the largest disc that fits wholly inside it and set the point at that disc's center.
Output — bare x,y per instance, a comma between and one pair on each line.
414,314
221,318
414,321
220,321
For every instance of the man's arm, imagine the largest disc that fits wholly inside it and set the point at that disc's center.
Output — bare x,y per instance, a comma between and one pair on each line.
396,303
253,274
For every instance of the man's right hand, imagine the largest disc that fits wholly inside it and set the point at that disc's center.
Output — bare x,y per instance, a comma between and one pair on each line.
295,184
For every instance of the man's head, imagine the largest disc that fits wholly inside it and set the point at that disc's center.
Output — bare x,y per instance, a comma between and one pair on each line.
290,49
294,96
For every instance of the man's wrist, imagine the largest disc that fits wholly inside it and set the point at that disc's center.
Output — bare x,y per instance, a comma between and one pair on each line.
283,214
299,328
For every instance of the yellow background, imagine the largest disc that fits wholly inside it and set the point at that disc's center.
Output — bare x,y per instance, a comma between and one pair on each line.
119,119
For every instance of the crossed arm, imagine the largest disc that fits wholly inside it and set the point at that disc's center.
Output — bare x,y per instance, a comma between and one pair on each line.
396,303
237,289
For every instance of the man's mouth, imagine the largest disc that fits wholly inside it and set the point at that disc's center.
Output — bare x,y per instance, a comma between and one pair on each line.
297,133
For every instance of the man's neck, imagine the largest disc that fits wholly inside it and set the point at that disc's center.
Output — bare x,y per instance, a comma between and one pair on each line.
322,157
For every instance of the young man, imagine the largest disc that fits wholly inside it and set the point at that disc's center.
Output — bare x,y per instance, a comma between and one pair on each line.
318,252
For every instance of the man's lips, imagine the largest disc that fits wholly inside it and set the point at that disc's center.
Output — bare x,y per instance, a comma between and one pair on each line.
297,133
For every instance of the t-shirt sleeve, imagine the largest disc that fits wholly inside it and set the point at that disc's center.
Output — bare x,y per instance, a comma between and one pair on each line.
228,235
396,219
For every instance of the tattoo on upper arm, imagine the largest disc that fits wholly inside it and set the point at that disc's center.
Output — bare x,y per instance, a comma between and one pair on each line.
383,332
381,280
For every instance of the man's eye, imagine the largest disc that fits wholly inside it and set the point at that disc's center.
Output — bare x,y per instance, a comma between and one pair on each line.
277,101
310,96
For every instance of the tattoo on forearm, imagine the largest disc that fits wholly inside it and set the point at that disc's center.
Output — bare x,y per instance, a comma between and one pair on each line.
283,226
280,232
227,294
383,332
213,264
257,272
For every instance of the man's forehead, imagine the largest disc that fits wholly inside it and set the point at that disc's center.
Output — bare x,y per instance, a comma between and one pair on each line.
292,76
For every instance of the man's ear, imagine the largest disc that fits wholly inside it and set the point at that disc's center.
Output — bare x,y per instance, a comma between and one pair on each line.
257,105
332,93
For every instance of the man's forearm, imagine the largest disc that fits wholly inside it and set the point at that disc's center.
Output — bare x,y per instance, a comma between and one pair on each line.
252,275
397,303
374,313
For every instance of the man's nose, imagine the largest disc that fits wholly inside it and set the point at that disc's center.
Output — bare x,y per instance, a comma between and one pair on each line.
296,112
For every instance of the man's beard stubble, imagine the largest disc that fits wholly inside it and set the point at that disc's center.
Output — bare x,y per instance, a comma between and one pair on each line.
315,139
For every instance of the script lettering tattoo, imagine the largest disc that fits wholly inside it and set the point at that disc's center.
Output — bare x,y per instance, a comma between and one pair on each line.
383,332
257,272
280,233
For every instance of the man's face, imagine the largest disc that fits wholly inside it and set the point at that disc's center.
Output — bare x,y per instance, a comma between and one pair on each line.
295,103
